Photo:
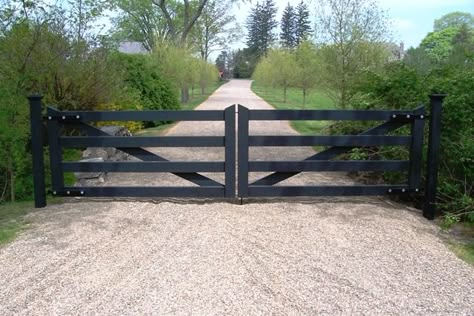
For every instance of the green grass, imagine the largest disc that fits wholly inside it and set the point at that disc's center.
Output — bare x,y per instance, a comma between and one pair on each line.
464,251
316,100
12,219
199,98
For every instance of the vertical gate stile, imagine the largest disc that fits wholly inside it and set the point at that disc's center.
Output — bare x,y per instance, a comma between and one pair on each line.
436,105
55,154
416,151
36,124
229,115
243,151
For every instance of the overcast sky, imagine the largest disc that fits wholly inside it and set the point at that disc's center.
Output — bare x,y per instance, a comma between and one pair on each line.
411,19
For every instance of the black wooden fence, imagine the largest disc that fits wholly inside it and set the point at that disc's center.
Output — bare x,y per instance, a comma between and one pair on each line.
264,187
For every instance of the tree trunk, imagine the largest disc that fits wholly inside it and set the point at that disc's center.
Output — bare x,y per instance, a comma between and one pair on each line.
203,90
284,94
11,173
304,99
185,94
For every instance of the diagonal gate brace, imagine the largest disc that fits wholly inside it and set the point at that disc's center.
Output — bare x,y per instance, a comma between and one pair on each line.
333,152
146,155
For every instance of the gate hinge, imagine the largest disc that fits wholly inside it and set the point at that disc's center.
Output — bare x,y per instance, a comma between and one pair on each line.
408,117
398,191
62,118
77,192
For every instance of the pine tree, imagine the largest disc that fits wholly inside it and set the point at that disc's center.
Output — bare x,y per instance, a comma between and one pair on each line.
288,27
260,25
303,27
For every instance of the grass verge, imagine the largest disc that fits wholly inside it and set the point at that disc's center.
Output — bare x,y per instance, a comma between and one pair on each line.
316,100
197,98
12,219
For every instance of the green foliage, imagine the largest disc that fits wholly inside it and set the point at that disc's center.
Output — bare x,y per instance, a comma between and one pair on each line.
309,68
400,87
439,45
279,68
260,25
288,27
303,28
142,76
454,19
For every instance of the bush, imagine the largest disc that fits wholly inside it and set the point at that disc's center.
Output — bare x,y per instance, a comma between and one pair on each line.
154,92
400,87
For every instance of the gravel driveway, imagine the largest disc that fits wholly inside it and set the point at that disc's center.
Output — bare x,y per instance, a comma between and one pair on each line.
321,256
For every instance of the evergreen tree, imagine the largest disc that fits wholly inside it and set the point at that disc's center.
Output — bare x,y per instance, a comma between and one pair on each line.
303,27
288,27
260,25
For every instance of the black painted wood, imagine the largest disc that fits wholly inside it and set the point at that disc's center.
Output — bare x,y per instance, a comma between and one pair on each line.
230,150
436,105
323,190
357,140
155,141
243,152
161,115
328,165
144,166
140,191
329,153
416,151
326,115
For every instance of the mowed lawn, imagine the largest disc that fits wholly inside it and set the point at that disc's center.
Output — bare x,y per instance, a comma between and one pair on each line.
316,100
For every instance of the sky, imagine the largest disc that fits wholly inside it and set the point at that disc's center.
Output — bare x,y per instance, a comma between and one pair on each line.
411,19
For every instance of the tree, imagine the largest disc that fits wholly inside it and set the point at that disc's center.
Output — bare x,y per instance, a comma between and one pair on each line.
439,45
349,27
215,29
260,26
139,21
418,59
278,68
308,68
288,27
454,19
302,27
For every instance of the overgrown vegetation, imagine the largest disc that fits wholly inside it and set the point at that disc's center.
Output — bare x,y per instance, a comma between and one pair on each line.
370,79
57,51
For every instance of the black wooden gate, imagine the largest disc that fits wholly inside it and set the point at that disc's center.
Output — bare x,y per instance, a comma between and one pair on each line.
264,187
150,162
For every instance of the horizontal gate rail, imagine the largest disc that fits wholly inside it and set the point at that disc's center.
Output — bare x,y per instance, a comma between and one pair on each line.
142,141
97,116
359,141
159,166
145,155
331,115
324,190
140,191
151,162
329,165
340,144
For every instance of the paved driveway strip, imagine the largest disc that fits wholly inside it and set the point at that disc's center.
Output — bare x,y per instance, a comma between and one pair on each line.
323,256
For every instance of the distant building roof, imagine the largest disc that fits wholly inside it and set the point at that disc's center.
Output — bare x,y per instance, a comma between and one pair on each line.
132,48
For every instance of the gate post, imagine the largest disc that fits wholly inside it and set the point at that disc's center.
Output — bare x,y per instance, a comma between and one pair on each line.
436,105
243,152
229,116
36,123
